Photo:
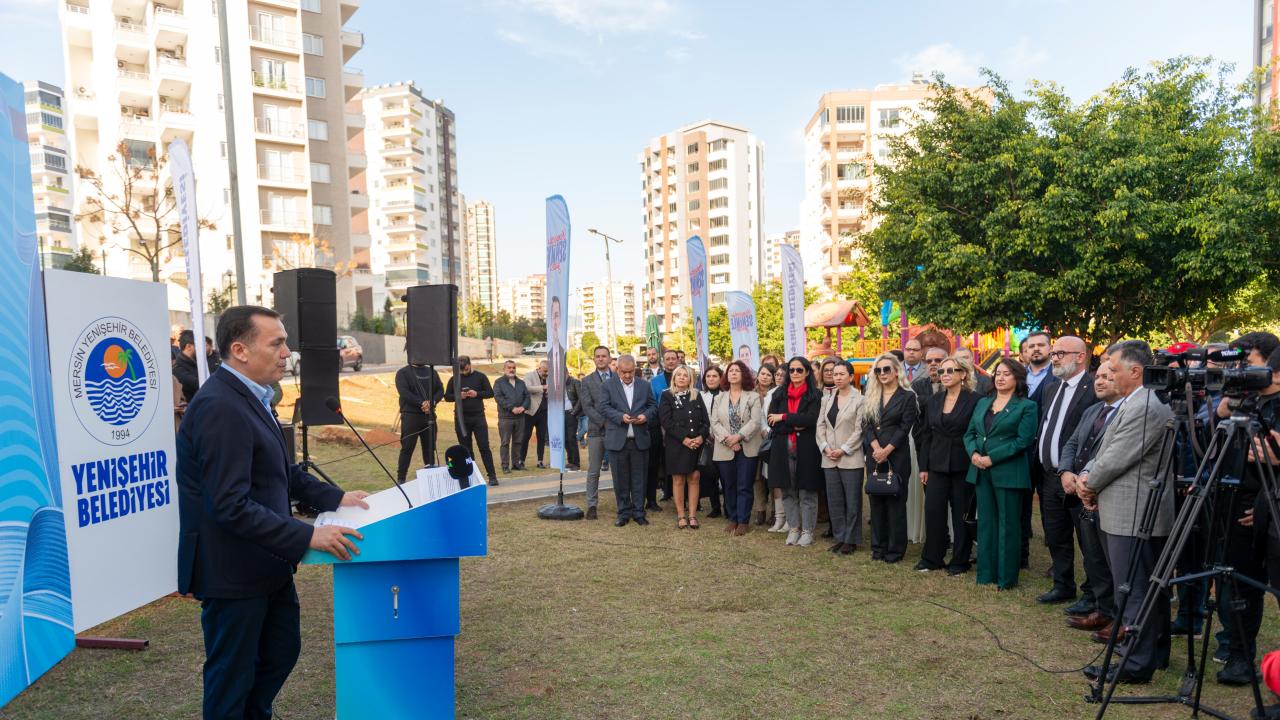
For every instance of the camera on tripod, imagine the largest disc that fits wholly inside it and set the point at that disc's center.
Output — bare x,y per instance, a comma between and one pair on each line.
1233,382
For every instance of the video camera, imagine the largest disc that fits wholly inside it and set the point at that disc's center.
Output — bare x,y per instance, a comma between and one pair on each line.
1233,380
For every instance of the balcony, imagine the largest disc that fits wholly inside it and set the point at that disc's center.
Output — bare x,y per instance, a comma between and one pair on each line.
354,123
136,80
281,130
352,42
352,82
173,17
356,163
398,167
275,85
359,201
395,150
133,32
271,37
283,221
177,117
137,130
173,67
281,175
361,240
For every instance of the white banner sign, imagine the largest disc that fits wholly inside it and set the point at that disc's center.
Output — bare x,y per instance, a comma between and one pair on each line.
792,302
113,409
184,189
557,329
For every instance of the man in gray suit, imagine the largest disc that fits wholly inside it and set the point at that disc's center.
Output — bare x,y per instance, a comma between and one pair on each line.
627,405
590,394
1116,482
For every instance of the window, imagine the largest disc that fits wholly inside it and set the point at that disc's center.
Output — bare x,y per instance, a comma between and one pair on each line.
851,114
692,149
720,145
693,167
59,221
851,171
317,129
694,205
825,117
850,204
222,148
694,185
719,241
720,184
720,221
315,87
695,223
671,208
320,172
715,165
890,117
311,5
719,202
824,174
56,162
322,214
721,259
48,98
140,152
720,278
312,44
217,54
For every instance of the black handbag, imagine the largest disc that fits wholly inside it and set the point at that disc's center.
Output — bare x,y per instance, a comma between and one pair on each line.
883,483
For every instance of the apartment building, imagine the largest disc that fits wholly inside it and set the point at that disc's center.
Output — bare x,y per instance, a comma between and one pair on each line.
524,297
141,74
593,300
704,179
339,200
415,215
51,172
845,139
481,255
1265,51
773,243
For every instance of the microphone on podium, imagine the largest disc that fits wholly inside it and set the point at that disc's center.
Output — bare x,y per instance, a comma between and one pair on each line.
331,402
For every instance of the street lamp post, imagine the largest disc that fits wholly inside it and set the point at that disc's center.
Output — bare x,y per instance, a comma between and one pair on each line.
608,289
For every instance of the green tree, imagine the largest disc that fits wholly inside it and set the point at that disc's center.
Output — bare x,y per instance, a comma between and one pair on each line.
627,343
589,341
1113,217
862,285
82,261
220,300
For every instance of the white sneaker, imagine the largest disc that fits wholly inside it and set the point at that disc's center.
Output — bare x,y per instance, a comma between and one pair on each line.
806,539
794,536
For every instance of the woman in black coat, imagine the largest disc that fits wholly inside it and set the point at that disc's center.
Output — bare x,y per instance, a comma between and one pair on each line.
944,464
890,412
683,418
794,463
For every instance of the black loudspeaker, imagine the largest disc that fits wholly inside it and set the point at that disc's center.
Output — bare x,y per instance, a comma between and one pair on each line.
431,324
319,382
307,300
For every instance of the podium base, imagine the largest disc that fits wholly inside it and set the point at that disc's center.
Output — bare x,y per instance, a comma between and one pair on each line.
560,511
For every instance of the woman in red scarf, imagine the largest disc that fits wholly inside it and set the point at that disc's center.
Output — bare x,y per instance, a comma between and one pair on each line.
794,463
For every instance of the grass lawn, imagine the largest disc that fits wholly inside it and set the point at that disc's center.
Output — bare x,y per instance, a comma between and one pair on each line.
584,620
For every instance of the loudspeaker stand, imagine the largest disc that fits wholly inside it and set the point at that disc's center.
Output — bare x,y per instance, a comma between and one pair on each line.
558,510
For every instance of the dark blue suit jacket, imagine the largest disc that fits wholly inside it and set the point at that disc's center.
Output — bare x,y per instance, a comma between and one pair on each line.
613,405
238,537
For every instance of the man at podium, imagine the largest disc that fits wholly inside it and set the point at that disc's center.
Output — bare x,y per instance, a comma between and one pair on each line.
239,544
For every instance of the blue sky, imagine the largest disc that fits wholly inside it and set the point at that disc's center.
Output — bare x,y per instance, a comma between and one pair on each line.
559,96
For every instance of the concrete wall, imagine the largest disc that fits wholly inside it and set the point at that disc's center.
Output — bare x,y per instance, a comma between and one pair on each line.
389,349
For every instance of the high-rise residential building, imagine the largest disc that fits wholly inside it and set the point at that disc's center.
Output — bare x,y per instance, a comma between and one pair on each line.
524,297
51,169
773,243
845,139
704,179
142,74
415,218
592,302
482,255
1265,51
338,198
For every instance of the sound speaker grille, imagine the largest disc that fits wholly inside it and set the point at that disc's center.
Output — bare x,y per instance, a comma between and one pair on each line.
307,300
431,324
319,381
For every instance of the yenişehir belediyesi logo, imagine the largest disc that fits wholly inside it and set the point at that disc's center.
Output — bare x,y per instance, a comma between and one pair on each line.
114,380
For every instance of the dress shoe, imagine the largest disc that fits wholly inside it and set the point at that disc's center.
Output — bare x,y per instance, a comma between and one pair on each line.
641,521
956,571
835,547
1180,628
653,507
1103,634
506,470
519,466
620,522
730,527
1081,607
1093,621
1238,671
591,513
847,548
493,481
923,566
1055,596
541,466
741,529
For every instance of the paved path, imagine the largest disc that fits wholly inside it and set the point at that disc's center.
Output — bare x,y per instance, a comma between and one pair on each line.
542,486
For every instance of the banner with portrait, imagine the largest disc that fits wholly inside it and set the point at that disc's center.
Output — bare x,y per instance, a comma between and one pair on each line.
698,297
557,329
741,309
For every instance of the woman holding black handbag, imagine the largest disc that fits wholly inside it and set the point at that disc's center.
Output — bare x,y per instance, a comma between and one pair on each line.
889,413
794,463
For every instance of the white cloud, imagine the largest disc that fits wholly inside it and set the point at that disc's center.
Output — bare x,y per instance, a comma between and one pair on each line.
956,65
540,47
599,17
677,54
1025,54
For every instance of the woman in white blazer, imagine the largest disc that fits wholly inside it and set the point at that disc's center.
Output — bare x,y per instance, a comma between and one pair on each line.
840,443
735,430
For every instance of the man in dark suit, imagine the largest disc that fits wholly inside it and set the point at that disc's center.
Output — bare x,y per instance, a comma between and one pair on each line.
1064,398
591,394
927,383
239,545
1034,351
628,405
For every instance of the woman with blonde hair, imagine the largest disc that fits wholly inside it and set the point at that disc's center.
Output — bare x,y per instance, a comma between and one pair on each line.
944,467
683,418
888,414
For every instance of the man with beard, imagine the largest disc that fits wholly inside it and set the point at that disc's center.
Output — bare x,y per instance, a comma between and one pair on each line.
1065,397
1035,354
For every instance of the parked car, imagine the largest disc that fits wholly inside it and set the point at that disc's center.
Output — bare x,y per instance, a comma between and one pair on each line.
538,348
351,353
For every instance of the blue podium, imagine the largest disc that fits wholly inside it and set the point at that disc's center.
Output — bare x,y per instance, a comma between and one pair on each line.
395,605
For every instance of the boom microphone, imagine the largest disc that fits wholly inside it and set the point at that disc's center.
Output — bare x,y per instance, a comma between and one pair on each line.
331,402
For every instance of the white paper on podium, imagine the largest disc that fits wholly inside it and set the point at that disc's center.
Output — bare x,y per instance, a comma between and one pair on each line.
430,485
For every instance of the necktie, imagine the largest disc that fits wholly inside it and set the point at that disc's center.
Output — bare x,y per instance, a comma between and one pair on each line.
1046,440
911,373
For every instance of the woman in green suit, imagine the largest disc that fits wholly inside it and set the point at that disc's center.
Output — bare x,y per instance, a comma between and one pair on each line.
1002,428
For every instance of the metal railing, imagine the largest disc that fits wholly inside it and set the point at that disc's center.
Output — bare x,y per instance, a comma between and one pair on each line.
77,9
130,26
283,219
280,128
134,75
274,83
279,173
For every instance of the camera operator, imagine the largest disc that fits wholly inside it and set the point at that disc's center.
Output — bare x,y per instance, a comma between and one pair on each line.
420,390
1246,550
